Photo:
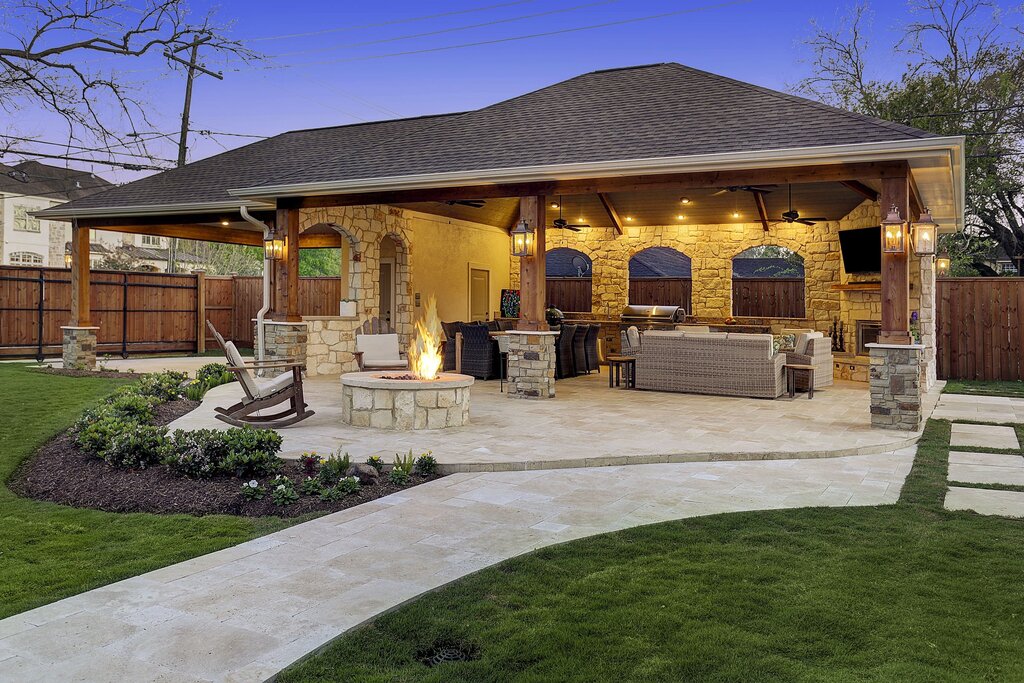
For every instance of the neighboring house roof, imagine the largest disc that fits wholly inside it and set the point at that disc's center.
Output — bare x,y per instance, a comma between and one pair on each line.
766,267
567,262
644,112
659,262
34,179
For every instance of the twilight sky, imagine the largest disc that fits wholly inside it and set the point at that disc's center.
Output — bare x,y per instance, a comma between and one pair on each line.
326,65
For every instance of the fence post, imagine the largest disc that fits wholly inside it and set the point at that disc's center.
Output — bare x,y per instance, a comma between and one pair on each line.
39,325
124,315
200,310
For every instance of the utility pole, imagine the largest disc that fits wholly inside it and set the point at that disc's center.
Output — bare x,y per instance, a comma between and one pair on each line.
193,66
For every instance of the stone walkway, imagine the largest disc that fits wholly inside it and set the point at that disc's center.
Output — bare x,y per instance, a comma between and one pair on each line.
980,408
244,613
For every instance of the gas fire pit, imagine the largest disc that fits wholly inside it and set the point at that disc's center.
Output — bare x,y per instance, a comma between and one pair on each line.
391,401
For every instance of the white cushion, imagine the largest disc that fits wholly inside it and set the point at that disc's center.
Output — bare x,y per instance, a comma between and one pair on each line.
706,335
235,360
804,339
276,384
693,329
399,364
378,347
633,337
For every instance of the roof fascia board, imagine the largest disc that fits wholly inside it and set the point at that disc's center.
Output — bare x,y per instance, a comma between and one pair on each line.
872,151
152,209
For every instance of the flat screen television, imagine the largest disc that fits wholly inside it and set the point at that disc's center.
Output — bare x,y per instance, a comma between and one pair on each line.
862,250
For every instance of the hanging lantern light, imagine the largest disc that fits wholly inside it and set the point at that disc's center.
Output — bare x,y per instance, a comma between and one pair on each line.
893,233
67,254
522,239
925,234
942,263
273,247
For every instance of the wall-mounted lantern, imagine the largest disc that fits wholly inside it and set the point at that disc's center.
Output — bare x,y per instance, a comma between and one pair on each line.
67,254
894,233
522,239
925,234
942,263
273,247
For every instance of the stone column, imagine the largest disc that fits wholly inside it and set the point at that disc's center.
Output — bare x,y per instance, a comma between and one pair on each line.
284,341
896,386
531,364
79,347
926,323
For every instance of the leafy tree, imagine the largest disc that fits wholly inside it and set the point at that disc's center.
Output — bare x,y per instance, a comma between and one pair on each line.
225,259
963,75
121,258
320,262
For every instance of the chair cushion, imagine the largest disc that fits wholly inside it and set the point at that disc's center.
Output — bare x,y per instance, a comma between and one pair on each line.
693,329
378,347
633,336
235,360
280,382
804,338
399,364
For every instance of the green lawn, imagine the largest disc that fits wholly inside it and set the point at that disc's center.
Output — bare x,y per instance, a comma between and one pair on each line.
50,551
906,592
985,388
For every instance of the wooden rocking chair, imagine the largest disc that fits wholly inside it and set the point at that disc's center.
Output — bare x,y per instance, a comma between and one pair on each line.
286,387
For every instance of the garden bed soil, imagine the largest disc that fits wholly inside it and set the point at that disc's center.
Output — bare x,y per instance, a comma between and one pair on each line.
63,473
70,372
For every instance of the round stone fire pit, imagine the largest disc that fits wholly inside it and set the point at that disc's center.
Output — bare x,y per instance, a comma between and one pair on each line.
386,400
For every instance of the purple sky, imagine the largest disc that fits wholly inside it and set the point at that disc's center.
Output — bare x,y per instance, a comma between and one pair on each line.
329,78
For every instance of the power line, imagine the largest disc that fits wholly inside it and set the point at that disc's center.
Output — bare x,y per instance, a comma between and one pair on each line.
391,22
79,148
118,164
495,41
453,29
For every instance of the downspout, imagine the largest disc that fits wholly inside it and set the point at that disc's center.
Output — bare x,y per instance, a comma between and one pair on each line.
260,334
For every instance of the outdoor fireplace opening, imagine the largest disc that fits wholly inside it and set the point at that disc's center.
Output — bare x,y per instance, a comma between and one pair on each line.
867,333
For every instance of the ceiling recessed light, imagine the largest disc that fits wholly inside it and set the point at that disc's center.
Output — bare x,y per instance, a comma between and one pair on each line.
554,205
735,214
629,218
684,200
224,223
581,219
680,217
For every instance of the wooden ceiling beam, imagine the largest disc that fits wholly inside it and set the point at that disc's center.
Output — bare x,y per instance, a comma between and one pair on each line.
170,219
861,189
762,210
916,205
637,183
609,208
202,233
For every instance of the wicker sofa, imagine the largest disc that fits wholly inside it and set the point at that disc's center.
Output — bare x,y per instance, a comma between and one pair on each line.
727,364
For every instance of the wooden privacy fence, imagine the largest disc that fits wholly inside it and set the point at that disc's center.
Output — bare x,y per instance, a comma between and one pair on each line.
979,328
768,297
570,293
135,312
661,291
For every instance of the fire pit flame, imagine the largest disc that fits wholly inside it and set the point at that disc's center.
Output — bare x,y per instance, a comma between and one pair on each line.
425,356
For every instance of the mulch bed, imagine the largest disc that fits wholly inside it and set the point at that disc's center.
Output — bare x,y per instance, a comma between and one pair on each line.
88,373
62,473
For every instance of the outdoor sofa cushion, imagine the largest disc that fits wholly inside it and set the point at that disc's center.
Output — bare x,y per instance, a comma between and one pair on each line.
804,338
379,349
235,360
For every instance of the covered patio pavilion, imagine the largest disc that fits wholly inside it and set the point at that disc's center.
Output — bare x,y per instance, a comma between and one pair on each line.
634,143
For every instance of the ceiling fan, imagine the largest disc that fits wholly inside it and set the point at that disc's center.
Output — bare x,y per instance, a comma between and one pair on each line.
758,189
793,216
562,224
475,203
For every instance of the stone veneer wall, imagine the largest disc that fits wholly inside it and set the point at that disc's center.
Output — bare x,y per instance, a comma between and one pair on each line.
531,365
284,341
896,386
79,348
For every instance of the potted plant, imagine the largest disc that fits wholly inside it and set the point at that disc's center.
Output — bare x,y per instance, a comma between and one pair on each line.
348,308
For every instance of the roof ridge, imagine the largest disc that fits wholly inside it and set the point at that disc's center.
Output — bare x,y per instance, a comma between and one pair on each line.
883,123
368,123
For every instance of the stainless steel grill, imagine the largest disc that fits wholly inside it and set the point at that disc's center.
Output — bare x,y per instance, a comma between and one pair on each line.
647,317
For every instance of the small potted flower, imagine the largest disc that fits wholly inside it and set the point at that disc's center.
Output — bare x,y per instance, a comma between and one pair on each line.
348,308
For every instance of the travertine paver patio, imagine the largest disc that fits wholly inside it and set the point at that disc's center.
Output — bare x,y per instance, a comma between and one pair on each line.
590,424
984,501
244,613
986,468
985,436
980,408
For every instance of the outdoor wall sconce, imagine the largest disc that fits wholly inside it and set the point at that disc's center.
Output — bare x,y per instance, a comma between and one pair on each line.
925,230
273,247
522,239
893,233
942,263
67,254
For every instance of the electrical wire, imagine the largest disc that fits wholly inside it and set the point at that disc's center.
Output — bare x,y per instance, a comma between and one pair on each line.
118,164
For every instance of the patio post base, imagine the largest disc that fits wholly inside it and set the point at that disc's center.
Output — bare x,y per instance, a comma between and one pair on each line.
531,364
896,386
284,341
79,348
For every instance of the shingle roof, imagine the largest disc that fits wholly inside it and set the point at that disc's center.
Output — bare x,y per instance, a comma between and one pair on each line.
34,179
762,267
653,111
660,262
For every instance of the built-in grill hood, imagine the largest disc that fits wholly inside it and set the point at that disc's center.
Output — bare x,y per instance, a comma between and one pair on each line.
652,315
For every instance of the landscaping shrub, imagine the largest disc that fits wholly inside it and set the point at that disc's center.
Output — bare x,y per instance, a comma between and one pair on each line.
241,451
333,469
252,490
131,406
138,447
195,390
311,486
252,464
346,486
376,462
212,374
310,463
96,435
426,464
198,453
163,385
282,491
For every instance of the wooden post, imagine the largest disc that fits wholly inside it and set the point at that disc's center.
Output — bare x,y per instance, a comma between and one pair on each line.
532,275
286,269
895,268
81,311
200,310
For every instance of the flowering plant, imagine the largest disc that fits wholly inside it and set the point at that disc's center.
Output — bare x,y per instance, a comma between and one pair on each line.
252,490
282,490
376,462
310,462
915,327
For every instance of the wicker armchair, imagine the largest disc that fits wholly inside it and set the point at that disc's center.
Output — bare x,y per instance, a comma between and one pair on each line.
579,349
448,352
813,349
593,361
478,352
565,364
630,341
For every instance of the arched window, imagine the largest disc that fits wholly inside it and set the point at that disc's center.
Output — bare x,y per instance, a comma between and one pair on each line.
26,258
569,280
768,282
660,276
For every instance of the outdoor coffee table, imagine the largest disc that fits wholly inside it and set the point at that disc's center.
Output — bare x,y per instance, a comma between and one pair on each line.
616,364
791,374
